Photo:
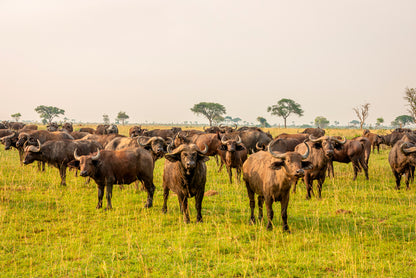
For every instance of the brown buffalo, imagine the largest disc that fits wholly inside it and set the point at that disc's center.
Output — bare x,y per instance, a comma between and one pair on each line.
233,154
136,131
315,132
270,176
402,160
125,166
102,139
32,137
87,129
375,140
185,174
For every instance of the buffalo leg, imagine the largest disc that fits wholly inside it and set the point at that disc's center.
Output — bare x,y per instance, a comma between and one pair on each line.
294,186
284,204
109,195
238,174
364,165
150,188
100,196
321,181
398,177
198,205
269,207
252,203
230,173
62,173
165,199
309,184
260,201
183,203
356,169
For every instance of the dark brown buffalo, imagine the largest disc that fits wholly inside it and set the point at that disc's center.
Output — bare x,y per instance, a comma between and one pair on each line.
119,143
315,132
32,137
3,126
375,140
211,140
299,136
185,174
67,127
136,131
284,145
392,138
10,141
52,127
367,146
253,138
270,176
321,153
87,129
164,133
233,154
157,146
125,166
59,153
28,127
352,151
6,132
16,125
102,139
402,159
106,129
78,134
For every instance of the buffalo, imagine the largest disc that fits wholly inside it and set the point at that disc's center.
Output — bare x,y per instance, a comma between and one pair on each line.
233,154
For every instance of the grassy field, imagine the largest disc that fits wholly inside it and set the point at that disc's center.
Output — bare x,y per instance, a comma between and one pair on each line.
358,229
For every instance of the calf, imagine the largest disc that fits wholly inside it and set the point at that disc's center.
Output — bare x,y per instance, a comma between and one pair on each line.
125,166
59,153
233,154
185,174
270,176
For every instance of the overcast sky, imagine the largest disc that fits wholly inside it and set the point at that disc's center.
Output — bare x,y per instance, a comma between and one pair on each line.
156,59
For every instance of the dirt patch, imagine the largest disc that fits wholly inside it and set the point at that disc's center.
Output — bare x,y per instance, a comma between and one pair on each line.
343,211
211,193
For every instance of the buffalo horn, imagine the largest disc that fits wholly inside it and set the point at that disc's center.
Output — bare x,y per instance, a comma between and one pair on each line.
407,150
145,144
344,140
205,150
95,157
305,155
75,155
274,154
222,140
259,147
34,148
9,136
318,139
239,140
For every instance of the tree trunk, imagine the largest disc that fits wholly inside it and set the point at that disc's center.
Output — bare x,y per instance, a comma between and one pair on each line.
284,121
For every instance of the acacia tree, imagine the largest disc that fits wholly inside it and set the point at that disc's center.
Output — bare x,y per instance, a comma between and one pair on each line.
48,113
321,122
212,111
403,120
16,116
122,116
263,122
362,113
284,108
379,122
410,96
106,119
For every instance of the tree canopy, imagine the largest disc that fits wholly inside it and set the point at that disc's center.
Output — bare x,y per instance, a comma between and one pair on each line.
321,122
106,119
410,97
403,120
122,116
284,108
212,111
16,116
48,113
362,113
263,122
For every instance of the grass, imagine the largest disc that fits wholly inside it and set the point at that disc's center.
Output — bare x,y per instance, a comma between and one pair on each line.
358,229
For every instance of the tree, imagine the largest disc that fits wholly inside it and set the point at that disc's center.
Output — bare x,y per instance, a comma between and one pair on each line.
403,120
379,122
336,123
236,120
122,116
212,111
263,122
321,122
354,123
284,108
410,96
48,113
362,113
106,119
16,116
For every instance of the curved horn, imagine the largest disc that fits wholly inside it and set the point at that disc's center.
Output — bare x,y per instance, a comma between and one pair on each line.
339,141
205,150
235,127
274,154
75,155
305,155
9,136
408,150
259,147
239,141
177,150
311,138
34,148
221,125
145,144
97,156
222,140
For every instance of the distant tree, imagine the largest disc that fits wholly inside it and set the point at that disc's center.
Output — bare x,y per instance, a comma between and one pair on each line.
122,116
403,120
395,124
362,113
354,123
336,123
379,122
106,119
410,97
48,113
228,119
212,111
217,120
236,120
263,122
321,122
284,108
16,116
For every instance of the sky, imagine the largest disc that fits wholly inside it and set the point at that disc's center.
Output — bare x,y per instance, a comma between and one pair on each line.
155,59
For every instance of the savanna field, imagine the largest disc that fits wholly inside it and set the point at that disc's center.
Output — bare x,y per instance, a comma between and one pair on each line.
358,229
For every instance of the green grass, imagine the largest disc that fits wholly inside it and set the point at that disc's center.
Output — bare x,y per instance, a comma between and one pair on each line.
53,231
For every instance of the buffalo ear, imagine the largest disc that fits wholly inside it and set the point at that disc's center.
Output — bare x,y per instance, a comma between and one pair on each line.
276,165
203,158
73,164
307,165
173,157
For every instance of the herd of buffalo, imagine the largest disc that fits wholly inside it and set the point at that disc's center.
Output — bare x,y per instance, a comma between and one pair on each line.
270,166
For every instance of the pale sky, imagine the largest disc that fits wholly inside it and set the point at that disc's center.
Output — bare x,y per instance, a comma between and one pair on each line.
156,59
